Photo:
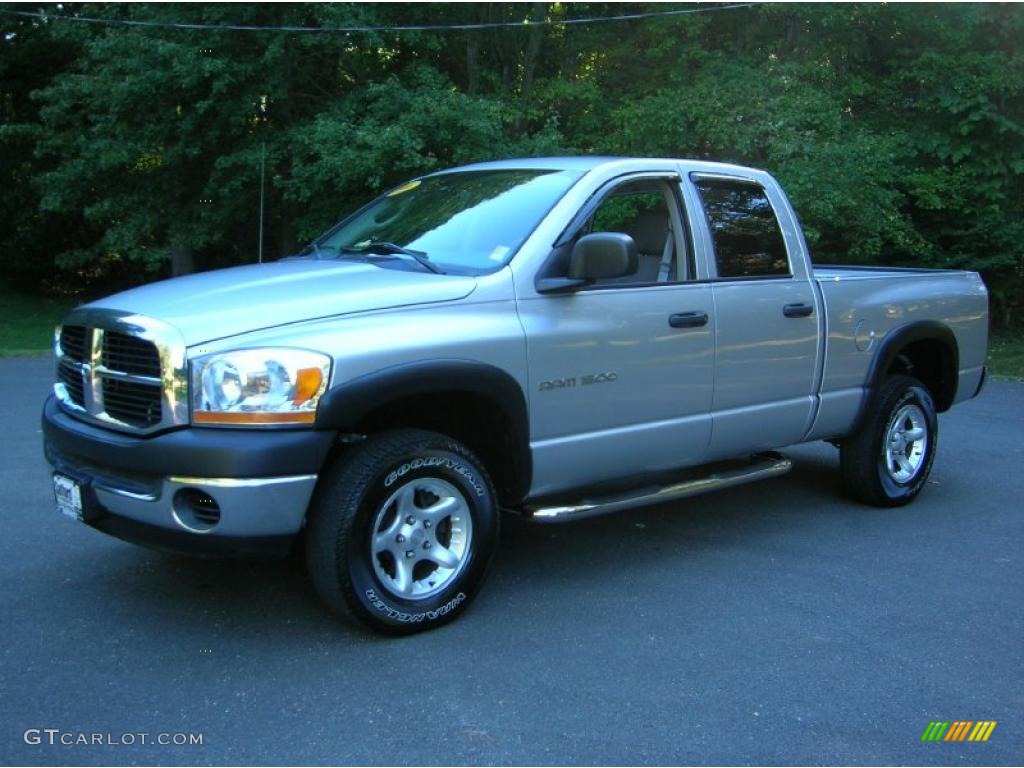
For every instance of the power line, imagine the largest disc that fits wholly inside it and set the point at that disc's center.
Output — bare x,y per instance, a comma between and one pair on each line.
369,28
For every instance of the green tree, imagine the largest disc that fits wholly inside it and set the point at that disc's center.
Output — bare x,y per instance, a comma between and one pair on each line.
31,55
898,130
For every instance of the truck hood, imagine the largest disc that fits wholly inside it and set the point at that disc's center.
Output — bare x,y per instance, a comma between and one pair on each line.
227,302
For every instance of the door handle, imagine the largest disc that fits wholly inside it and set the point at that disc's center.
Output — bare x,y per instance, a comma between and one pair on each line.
798,310
688,319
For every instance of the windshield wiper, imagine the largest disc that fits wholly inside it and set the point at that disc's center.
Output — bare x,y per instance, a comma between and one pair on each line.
384,248
311,249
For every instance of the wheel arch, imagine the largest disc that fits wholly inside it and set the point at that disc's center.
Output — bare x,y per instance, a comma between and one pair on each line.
476,403
926,350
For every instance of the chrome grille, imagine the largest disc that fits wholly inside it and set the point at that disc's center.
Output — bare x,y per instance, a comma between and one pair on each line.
131,402
72,342
122,371
131,355
70,375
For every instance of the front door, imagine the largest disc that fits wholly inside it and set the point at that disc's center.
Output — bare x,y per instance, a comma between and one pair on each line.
621,372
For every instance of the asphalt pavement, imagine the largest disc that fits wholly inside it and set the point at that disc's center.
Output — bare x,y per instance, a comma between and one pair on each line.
775,623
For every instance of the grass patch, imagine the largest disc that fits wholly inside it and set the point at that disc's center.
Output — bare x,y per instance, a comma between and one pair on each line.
27,321
1006,354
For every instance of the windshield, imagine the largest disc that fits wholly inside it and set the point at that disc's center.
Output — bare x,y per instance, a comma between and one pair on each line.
467,222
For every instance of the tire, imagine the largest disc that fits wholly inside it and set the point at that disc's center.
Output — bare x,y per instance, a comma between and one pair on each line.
401,531
887,462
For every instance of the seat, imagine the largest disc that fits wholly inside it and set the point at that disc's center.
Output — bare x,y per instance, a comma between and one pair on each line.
650,232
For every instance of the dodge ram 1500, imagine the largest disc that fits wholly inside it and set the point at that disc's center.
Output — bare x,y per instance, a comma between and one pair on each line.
557,337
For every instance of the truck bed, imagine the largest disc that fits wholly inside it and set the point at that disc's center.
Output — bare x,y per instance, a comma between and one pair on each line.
840,272
863,304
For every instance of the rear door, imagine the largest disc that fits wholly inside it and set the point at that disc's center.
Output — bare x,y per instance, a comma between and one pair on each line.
766,311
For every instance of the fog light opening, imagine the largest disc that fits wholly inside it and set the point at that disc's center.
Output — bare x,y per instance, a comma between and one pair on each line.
196,510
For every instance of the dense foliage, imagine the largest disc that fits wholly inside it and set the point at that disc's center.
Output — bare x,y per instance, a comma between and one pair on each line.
898,130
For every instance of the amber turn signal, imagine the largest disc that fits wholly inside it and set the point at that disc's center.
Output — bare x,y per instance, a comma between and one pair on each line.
253,417
307,384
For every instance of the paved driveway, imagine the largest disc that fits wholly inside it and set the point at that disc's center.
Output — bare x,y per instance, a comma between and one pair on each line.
774,623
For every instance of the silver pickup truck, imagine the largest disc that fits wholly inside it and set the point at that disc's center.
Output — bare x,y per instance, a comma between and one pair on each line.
555,337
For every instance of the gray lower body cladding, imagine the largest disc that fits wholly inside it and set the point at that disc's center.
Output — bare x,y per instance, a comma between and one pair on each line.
255,486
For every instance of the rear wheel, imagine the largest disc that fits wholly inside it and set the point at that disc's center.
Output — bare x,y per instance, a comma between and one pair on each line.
402,530
888,461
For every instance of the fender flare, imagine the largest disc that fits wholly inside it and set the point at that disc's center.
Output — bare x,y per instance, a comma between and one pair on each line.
345,404
895,342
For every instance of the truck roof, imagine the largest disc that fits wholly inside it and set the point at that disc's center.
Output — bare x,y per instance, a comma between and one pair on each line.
586,163
581,163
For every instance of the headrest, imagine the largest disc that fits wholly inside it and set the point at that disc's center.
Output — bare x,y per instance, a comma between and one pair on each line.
649,231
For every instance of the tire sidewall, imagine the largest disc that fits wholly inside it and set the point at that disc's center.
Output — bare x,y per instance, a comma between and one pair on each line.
377,604
916,394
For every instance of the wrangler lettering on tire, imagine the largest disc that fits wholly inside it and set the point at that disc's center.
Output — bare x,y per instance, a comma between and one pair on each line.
402,530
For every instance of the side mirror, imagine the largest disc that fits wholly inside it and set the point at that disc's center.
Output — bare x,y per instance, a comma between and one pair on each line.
602,255
594,257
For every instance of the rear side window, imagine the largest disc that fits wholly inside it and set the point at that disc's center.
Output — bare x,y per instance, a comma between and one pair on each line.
747,238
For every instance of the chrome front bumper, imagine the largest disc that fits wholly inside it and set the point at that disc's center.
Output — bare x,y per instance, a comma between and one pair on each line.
266,506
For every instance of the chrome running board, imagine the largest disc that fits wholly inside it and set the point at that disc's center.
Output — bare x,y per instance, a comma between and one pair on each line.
761,467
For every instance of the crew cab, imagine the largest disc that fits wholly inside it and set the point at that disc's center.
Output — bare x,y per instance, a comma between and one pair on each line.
554,337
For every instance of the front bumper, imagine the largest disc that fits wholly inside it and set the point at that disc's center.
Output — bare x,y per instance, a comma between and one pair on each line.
137,488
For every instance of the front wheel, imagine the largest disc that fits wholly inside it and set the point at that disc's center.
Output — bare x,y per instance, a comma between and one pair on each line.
402,530
887,462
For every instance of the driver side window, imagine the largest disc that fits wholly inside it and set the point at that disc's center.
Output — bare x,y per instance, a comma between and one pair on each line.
643,210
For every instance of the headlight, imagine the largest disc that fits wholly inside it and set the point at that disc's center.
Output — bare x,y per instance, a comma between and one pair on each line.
258,387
